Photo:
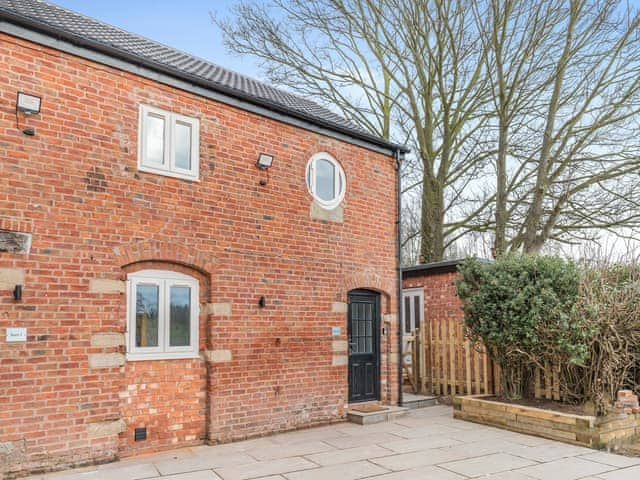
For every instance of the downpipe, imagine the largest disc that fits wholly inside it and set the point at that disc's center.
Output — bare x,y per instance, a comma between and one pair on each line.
399,157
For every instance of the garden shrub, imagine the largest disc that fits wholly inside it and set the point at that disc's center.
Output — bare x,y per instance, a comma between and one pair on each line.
521,309
609,308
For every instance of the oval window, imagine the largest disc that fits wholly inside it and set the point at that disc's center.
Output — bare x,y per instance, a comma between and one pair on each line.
325,180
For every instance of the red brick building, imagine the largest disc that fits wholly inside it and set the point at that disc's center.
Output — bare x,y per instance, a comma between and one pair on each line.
429,294
158,287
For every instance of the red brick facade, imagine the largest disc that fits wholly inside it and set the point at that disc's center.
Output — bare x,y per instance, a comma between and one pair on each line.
94,217
441,300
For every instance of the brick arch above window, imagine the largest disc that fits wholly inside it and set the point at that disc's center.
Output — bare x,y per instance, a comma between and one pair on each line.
158,251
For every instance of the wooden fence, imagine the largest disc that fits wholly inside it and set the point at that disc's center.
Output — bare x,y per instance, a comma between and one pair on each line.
443,362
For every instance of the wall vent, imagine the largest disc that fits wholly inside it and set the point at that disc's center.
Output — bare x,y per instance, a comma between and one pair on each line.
140,434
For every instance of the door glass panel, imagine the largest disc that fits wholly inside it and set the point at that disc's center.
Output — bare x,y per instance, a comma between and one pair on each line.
183,146
325,180
147,315
154,139
362,328
180,320
417,312
407,314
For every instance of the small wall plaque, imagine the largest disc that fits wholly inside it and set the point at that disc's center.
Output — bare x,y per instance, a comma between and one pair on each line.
335,331
16,334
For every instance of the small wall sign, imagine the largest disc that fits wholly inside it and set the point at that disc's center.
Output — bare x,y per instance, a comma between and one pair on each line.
335,331
16,334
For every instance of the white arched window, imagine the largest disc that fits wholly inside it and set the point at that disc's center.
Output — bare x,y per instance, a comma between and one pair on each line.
162,315
325,180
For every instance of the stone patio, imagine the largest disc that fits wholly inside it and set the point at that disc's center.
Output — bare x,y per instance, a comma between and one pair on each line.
426,444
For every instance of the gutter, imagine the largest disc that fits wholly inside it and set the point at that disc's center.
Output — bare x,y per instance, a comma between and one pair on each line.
399,157
138,61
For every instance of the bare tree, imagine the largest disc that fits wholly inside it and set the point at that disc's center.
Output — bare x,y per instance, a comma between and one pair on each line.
395,67
565,83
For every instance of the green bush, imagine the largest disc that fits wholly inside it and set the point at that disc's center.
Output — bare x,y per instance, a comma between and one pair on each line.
521,308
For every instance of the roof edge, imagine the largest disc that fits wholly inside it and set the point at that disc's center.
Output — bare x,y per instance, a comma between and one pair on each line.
59,36
443,266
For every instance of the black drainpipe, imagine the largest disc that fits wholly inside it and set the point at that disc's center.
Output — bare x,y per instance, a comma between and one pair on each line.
398,157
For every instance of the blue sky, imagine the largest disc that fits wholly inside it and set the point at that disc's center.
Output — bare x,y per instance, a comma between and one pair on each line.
182,24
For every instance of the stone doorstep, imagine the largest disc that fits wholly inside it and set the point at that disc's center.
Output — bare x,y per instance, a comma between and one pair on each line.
369,418
412,401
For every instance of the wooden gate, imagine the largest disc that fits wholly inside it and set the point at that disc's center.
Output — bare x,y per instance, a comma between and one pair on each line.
448,364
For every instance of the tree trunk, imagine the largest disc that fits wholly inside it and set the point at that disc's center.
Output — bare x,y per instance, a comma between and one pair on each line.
500,245
432,241
532,239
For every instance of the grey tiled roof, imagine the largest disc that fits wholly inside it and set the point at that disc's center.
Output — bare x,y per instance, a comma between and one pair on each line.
71,25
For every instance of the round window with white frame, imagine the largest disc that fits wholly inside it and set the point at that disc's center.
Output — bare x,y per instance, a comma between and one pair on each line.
326,180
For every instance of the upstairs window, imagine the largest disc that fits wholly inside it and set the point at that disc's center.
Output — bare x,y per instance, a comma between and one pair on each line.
168,143
325,180
162,315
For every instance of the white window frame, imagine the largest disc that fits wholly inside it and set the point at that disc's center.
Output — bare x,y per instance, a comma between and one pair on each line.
169,167
164,279
338,180
412,293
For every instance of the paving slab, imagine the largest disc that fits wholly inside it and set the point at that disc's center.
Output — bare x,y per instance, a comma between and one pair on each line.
550,452
406,461
487,464
477,449
263,469
632,473
105,472
568,469
510,475
349,455
202,475
612,459
344,471
429,430
294,450
203,461
424,473
422,443
352,441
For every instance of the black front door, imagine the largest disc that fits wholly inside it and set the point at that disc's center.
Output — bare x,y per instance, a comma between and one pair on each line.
364,346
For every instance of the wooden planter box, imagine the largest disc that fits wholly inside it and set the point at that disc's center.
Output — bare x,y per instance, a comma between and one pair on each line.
596,432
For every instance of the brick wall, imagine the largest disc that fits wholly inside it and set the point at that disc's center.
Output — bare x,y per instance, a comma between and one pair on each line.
440,298
68,395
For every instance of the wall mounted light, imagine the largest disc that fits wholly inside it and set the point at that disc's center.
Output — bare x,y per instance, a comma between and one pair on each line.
28,105
262,302
264,161
17,292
